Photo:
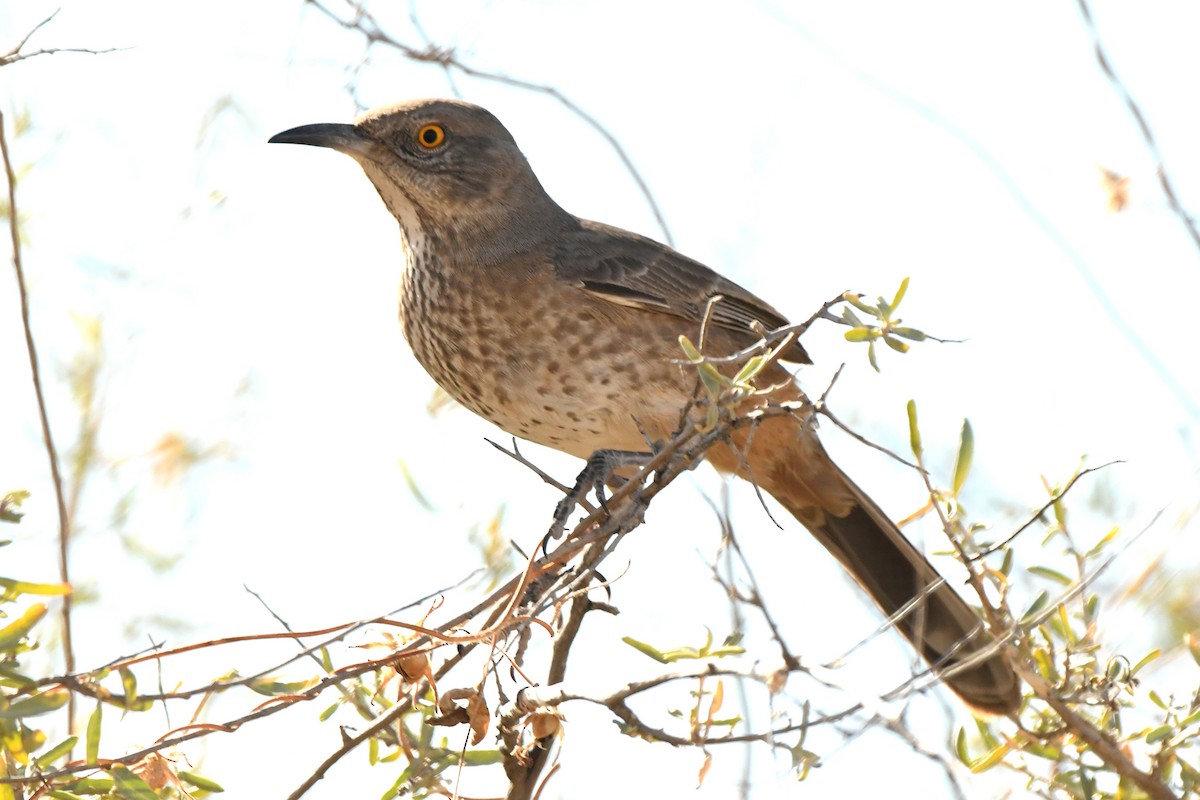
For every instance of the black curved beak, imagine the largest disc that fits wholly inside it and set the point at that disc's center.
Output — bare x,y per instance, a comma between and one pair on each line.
346,139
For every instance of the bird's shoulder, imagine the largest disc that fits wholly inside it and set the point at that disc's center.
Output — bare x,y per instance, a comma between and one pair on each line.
630,270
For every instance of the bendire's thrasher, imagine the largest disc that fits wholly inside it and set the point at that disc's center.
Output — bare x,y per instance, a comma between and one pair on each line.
564,332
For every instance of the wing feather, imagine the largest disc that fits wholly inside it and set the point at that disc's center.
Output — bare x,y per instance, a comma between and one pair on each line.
633,271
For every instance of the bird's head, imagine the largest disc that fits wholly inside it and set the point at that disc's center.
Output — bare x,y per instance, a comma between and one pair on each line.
443,167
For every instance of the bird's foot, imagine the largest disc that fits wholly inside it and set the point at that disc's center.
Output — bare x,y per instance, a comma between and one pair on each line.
601,469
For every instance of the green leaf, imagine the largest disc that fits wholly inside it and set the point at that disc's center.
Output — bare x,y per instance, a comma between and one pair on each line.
895,344
1146,659
129,684
1060,513
962,461
10,503
43,703
129,786
960,747
1050,574
854,300
1038,604
1007,565
1064,622
900,294
93,734
271,687
681,653
1104,541
1034,747
726,650
912,334
750,369
91,786
24,587
482,758
396,788
1160,733
203,783
56,752
871,356
859,334
1044,664
15,631
991,759
914,433
327,713
14,680
690,350
59,794
713,380
645,649
985,732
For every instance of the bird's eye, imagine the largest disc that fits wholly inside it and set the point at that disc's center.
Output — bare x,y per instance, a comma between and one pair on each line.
430,136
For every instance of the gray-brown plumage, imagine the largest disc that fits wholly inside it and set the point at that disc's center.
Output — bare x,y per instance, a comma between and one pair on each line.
564,332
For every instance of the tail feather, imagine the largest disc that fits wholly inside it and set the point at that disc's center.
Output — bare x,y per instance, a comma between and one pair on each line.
786,459
940,625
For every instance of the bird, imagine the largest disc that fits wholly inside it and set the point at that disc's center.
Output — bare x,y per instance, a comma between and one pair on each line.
565,332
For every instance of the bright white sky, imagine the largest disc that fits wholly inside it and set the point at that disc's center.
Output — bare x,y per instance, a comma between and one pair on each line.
247,296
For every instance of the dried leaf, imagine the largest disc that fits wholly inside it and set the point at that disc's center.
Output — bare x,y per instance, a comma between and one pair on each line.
718,699
1116,189
544,723
704,767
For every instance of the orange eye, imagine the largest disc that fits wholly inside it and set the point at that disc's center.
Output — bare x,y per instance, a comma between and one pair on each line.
430,136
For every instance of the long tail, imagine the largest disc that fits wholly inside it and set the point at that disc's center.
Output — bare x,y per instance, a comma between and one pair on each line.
788,462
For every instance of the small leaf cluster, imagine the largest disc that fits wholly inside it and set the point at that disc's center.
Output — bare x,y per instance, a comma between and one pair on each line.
24,698
884,326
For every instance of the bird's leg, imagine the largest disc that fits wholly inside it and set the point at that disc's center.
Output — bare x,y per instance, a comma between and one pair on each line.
601,468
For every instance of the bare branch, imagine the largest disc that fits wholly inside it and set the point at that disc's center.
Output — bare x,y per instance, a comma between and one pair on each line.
1006,541
1189,223
447,59
64,524
14,55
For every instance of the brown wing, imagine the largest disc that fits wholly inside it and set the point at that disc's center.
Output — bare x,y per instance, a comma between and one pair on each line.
631,270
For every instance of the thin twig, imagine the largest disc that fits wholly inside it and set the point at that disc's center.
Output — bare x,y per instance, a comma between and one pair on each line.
382,722
14,55
823,410
1007,540
1160,169
447,59
64,524
516,455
